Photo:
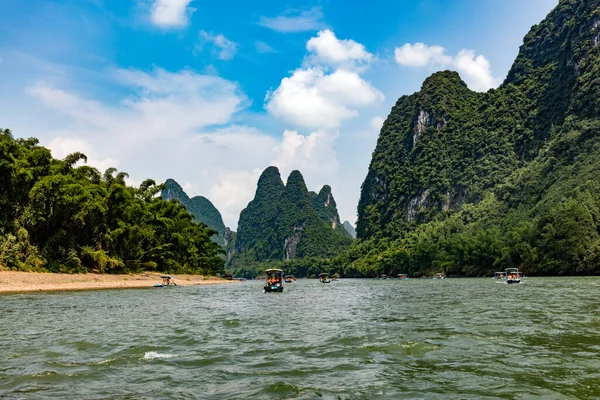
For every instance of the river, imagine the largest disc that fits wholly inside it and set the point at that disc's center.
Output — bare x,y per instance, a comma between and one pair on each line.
352,339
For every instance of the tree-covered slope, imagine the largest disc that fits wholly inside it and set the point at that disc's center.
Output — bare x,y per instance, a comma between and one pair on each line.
60,217
470,182
200,207
324,204
281,222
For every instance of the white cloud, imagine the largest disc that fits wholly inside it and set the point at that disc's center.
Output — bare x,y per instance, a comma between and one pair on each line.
475,70
170,13
295,21
224,48
263,47
419,55
233,191
329,50
313,99
313,155
165,129
63,146
376,123
319,96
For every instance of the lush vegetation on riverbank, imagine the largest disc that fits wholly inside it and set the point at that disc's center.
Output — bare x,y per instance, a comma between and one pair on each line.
60,217
469,183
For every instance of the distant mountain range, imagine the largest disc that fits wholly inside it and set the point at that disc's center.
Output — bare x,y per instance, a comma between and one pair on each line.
350,229
285,222
282,222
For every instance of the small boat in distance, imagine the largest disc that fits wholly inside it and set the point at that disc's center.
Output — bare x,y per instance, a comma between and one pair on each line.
403,277
273,280
439,276
324,277
335,277
512,276
166,281
383,277
289,279
499,275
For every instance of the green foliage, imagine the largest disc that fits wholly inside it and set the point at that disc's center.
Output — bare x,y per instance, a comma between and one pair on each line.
200,207
286,222
469,183
62,218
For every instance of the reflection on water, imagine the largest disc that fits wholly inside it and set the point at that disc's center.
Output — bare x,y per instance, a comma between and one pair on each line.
452,338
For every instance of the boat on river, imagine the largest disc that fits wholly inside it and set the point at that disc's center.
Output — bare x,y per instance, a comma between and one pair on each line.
167,281
324,278
439,276
403,277
335,277
384,277
289,279
499,275
512,275
273,280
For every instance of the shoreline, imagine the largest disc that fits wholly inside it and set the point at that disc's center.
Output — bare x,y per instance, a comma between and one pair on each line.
27,282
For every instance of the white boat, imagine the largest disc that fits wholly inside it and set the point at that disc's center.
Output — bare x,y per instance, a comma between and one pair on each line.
499,275
274,280
512,276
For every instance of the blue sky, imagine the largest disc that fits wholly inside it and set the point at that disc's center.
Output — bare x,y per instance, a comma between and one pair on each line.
212,92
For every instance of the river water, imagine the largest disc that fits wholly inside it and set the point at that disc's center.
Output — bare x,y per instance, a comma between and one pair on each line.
352,339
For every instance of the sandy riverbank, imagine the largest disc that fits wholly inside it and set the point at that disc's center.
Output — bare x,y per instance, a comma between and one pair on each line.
13,281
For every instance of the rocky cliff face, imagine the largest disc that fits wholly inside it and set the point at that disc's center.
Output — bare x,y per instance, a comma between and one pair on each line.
446,145
200,207
281,222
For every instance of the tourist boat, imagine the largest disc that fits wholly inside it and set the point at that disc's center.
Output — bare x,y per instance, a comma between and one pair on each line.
335,278
499,275
383,277
511,275
289,279
273,280
439,276
403,277
324,278
167,281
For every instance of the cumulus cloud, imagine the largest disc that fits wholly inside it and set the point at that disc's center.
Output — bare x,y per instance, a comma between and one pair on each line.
312,154
419,55
313,99
63,146
329,50
179,125
295,21
326,92
475,70
170,13
263,47
376,123
224,48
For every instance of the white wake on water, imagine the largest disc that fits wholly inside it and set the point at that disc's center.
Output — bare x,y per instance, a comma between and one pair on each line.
151,355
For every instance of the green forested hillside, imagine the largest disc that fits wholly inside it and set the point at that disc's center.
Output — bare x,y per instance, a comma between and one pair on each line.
200,207
281,224
59,217
469,183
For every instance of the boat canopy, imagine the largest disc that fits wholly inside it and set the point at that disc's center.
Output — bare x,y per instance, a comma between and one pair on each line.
324,274
165,277
511,270
273,270
402,274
